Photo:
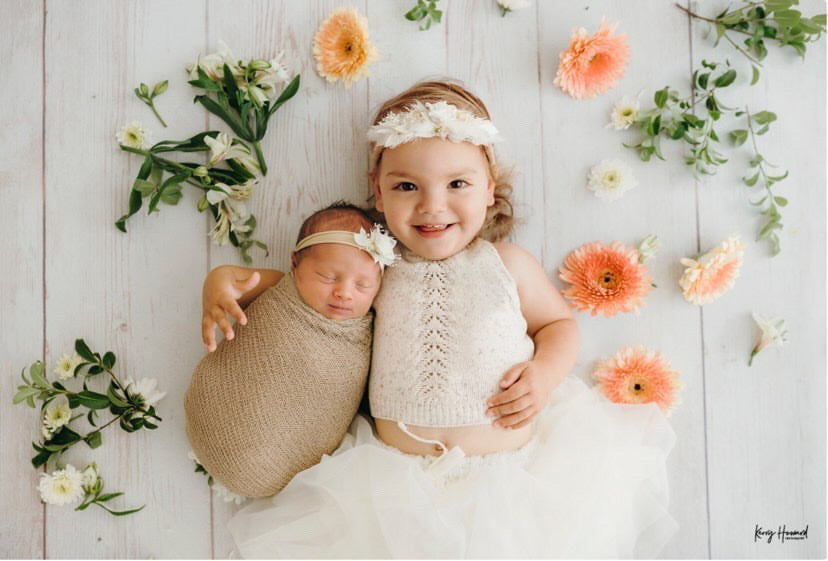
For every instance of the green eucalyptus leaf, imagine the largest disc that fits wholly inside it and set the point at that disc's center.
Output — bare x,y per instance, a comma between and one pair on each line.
781,201
755,77
725,79
764,117
661,98
702,81
738,137
751,181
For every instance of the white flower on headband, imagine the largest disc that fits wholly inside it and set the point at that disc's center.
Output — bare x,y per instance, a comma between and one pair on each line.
433,119
378,244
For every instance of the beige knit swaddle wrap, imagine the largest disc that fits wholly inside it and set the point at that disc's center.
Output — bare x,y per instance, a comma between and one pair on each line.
269,403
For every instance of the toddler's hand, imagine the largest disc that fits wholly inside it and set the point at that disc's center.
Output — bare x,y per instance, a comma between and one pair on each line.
222,289
524,395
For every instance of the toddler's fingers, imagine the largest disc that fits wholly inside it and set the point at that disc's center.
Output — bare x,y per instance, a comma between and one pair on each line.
208,333
516,420
226,328
512,374
250,282
236,312
516,391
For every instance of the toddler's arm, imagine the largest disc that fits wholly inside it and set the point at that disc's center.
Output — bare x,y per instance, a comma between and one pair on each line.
528,385
228,289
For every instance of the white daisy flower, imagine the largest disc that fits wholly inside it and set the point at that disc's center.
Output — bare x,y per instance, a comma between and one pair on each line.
227,495
61,487
65,367
133,134
774,333
610,179
623,113
57,414
648,248
145,391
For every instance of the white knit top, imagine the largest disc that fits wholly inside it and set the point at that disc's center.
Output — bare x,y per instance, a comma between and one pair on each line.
445,332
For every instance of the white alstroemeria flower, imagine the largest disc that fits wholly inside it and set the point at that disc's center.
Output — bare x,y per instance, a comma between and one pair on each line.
239,192
222,147
774,333
213,63
61,487
610,179
220,234
144,390
227,495
57,414
623,113
134,135
378,244
239,214
65,367
648,248
91,477
511,5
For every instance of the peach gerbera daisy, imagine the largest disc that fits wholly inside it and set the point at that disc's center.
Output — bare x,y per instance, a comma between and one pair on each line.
606,278
341,47
712,274
639,375
592,65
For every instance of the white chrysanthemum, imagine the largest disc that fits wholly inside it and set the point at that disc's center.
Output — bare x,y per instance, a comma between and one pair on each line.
610,179
134,135
512,5
378,244
624,113
145,391
222,147
61,487
65,367
227,495
648,248
57,414
773,330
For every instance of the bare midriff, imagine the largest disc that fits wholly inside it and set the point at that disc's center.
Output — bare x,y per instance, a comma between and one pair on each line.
475,440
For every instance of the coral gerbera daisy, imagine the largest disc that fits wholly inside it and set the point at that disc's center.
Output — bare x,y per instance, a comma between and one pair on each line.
592,65
711,275
639,375
606,278
341,47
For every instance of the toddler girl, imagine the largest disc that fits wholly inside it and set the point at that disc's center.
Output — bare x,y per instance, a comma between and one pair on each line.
482,446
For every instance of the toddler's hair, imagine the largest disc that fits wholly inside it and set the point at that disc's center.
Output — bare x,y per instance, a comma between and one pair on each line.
340,215
500,216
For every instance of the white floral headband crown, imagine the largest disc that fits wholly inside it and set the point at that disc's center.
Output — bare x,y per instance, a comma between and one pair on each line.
427,120
378,244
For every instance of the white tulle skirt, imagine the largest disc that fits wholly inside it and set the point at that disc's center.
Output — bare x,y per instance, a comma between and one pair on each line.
590,484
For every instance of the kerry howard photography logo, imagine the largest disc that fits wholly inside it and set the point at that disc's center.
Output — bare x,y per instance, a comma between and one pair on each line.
781,533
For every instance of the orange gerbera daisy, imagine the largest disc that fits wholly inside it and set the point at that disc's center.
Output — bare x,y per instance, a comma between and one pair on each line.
606,279
592,65
712,274
639,375
341,47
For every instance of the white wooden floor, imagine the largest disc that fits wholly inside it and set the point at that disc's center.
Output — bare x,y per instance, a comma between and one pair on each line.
751,441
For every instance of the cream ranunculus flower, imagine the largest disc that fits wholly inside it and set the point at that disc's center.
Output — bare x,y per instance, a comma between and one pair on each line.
65,367
61,487
57,414
610,179
133,134
774,333
624,113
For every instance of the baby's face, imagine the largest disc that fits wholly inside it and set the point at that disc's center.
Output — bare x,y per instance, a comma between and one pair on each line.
338,281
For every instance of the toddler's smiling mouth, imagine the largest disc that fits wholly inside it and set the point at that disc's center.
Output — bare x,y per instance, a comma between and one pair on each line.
432,230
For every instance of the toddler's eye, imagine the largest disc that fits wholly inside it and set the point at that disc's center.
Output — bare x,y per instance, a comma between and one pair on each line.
458,183
405,186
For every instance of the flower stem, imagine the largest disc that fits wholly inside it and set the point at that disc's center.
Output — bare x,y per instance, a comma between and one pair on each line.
260,157
152,106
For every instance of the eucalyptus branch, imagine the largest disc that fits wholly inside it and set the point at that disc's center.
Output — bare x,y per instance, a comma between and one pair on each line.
426,13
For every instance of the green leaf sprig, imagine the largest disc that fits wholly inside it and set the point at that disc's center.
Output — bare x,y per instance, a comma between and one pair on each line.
241,97
160,180
763,22
425,12
94,495
143,93
128,408
769,203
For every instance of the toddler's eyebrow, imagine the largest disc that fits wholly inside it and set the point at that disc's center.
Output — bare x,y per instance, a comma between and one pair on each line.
449,174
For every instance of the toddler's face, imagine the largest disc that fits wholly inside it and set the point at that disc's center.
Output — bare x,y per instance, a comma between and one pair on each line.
338,281
434,194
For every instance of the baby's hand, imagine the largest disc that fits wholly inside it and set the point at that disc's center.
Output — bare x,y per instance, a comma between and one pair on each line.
222,288
524,395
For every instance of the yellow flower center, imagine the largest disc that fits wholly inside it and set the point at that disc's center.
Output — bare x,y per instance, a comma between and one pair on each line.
608,279
626,112
611,179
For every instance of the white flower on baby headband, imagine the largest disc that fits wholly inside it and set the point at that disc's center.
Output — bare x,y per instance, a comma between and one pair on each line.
379,244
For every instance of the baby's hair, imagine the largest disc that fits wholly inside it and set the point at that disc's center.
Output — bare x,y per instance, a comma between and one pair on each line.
500,216
340,215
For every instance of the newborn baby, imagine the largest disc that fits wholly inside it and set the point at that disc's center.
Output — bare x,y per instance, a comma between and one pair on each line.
281,393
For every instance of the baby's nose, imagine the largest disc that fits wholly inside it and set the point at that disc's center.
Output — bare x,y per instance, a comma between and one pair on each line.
342,291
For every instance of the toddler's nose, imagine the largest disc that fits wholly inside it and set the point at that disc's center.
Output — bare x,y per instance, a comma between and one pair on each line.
431,203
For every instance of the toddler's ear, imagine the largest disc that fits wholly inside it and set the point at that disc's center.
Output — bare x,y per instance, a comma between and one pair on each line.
490,191
293,260
377,194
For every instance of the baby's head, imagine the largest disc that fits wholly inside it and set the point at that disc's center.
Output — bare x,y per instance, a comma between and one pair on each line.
433,170
333,276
